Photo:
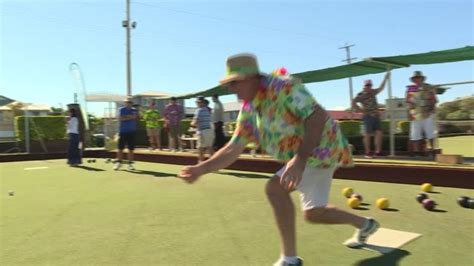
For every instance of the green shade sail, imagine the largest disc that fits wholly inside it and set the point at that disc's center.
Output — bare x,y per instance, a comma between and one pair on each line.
371,65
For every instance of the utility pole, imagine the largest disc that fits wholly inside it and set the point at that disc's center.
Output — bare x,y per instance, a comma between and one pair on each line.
128,25
349,59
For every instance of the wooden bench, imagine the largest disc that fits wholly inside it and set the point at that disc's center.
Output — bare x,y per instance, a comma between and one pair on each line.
190,140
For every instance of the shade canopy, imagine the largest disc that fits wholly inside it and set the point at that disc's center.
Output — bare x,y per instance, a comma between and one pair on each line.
370,65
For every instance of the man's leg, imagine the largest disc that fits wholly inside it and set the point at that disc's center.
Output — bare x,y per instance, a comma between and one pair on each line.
368,132
178,139
172,144
151,139
415,136
158,138
130,155
429,127
284,212
121,145
367,138
378,141
201,154
314,191
219,134
332,215
432,144
131,148
416,146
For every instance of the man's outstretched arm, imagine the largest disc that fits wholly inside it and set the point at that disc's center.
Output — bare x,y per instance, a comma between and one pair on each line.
221,159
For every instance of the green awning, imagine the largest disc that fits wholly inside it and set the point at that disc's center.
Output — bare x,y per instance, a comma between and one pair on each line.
371,65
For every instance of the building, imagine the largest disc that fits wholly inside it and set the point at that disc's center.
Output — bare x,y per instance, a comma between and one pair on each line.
144,99
231,111
140,100
10,109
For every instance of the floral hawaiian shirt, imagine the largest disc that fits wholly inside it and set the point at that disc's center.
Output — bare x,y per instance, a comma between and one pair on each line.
274,119
423,101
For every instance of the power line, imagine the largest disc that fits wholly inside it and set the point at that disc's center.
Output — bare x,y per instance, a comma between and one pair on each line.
236,22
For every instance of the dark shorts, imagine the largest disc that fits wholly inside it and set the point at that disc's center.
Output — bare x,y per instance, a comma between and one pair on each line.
174,131
371,123
127,138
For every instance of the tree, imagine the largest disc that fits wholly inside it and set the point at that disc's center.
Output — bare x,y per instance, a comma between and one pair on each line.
462,109
57,111
458,115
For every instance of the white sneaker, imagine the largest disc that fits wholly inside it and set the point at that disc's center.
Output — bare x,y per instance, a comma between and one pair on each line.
281,262
361,235
117,166
130,167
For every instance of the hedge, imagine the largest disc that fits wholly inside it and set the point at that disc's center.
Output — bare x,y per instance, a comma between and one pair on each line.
41,127
350,128
401,143
404,127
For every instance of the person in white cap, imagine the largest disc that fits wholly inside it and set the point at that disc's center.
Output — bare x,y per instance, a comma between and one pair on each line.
372,125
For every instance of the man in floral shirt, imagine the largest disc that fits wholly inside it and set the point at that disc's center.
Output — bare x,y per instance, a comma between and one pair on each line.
281,116
421,99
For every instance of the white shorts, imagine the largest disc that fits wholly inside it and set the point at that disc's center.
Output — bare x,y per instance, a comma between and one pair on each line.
426,126
205,138
314,186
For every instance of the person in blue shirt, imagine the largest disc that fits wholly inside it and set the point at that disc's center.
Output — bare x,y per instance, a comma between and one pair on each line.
128,117
203,124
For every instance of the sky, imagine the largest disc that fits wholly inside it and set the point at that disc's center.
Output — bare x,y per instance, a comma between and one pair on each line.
181,46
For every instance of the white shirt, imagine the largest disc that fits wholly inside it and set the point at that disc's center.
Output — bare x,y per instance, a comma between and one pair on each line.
218,112
73,125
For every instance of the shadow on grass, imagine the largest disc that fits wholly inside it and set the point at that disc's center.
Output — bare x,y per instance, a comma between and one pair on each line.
434,192
391,210
88,168
361,208
365,204
389,259
439,210
153,173
247,175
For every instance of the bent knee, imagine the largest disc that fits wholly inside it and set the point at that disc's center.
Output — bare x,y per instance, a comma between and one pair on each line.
315,215
273,187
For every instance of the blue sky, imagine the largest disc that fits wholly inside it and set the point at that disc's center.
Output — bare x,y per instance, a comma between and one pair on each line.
181,46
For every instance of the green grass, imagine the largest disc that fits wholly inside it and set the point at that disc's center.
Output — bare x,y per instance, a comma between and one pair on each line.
463,145
73,216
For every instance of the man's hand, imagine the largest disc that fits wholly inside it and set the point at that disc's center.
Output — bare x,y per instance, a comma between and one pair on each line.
293,173
190,173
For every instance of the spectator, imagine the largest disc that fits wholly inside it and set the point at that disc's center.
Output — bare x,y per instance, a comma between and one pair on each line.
173,115
421,99
153,129
371,116
74,157
218,120
202,122
128,116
